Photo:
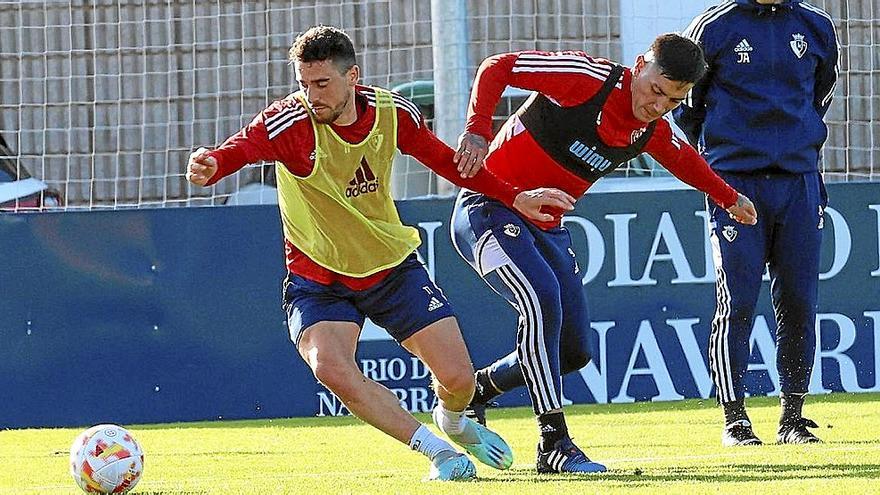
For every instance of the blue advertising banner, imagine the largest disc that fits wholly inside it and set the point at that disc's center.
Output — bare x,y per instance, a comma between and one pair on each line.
174,314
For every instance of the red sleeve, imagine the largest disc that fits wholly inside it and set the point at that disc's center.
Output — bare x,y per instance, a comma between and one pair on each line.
419,142
569,78
249,145
281,132
683,162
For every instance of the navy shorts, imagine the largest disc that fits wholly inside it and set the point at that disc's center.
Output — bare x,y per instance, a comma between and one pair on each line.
405,302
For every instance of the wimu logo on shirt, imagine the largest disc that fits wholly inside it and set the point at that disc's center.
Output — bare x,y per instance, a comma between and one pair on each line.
589,156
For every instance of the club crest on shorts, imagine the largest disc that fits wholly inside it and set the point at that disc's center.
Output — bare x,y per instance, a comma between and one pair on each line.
511,230
798,45
729,232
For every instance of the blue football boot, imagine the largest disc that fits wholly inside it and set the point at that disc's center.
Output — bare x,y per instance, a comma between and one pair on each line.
452,466
566,457
484,444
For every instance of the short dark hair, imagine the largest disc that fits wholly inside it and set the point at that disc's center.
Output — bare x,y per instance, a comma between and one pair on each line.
324,43
678,58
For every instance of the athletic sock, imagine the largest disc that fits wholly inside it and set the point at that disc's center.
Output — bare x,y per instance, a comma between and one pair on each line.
450,422
553,429
428,443
734,411
792,406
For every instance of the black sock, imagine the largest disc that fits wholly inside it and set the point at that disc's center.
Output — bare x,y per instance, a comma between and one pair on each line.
734,411
553,429
485,390
792,405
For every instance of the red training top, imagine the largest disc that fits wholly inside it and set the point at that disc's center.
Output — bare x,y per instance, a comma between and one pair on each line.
570,78
283,132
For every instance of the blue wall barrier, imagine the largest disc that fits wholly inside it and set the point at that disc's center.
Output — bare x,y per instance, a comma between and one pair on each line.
174,315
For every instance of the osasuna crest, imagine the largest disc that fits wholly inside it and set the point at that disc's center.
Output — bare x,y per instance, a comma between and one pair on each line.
636,134
729,233
376,141
798,45
512,230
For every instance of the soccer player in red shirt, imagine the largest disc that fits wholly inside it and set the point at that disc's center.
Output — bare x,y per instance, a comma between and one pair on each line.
350,257
587,117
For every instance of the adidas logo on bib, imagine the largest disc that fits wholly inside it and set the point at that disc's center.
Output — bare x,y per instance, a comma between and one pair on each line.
363,182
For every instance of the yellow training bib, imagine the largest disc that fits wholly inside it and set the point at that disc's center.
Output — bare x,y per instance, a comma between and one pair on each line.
342,215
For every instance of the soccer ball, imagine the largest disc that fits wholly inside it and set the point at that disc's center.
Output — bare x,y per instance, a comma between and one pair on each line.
106,459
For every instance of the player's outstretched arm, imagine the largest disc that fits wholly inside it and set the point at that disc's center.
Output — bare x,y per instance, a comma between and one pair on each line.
530,203
200,167
743,211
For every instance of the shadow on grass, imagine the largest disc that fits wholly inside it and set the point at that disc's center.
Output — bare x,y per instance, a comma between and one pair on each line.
512,412
739,473
855,442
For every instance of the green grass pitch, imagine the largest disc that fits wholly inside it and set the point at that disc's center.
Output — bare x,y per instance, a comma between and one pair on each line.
671,447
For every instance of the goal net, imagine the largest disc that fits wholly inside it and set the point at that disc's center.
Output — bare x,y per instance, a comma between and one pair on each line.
103,101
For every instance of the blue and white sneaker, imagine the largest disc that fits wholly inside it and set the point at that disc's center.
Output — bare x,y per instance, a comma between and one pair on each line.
566,457
481,442
452,466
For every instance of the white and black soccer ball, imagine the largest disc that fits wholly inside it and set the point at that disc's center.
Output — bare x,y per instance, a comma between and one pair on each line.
106,459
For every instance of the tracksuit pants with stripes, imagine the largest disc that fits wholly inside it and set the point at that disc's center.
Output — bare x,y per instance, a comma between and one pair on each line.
537,273
787,240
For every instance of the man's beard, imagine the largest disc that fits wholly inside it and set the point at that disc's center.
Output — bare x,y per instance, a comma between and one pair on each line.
334,114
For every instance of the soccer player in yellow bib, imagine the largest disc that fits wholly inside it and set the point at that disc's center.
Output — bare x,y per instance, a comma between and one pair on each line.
348,254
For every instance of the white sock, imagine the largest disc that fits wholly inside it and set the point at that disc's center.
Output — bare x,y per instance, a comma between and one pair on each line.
449,421
428,443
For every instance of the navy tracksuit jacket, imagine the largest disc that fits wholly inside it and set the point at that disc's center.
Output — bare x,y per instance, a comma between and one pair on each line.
757,119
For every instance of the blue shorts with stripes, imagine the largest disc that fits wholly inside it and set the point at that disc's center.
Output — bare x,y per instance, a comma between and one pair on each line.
536,271
405,302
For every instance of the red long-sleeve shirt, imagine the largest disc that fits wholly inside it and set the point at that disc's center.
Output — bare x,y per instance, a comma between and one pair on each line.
570,78
283,132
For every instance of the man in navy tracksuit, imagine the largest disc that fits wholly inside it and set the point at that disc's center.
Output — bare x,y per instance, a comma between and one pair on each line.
757,119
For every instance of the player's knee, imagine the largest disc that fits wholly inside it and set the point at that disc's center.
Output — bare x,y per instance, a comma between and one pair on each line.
459,383
575,360
575,350
335,374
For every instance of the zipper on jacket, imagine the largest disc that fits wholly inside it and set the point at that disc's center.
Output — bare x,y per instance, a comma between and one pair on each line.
772,19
